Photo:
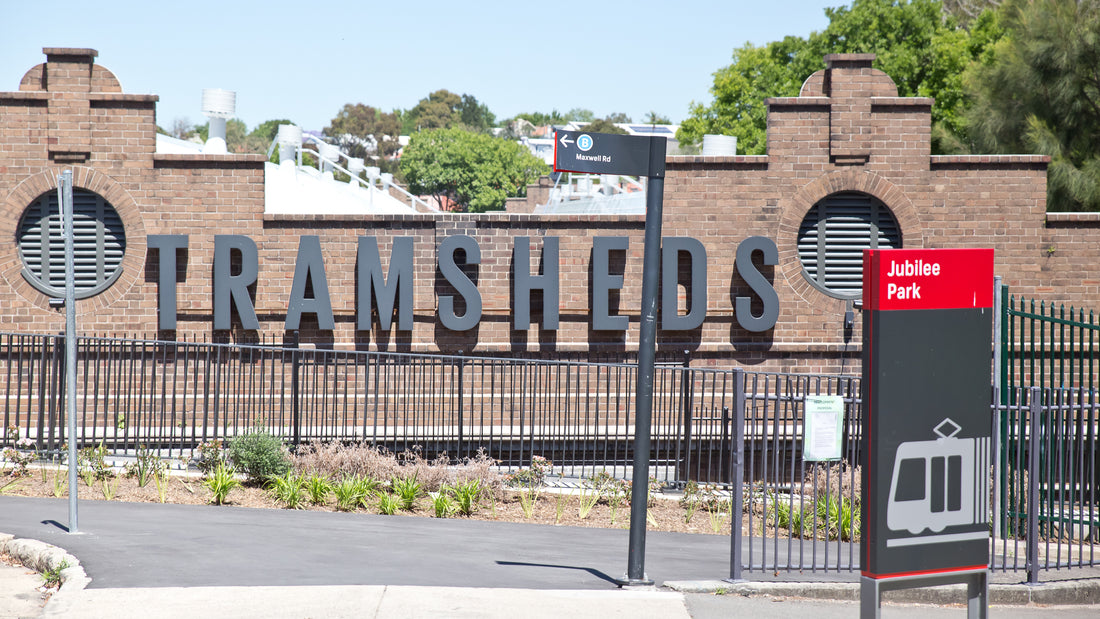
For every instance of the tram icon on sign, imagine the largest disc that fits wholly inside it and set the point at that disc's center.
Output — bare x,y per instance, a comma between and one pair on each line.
939,483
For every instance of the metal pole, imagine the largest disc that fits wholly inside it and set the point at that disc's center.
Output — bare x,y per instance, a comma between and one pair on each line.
1034,413
647,351
65,198
997,400
737,481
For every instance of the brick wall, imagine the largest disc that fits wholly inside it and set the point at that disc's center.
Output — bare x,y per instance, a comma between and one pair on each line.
847,131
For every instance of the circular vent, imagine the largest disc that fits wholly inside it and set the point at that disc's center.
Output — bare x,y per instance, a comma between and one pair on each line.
834,234
99,243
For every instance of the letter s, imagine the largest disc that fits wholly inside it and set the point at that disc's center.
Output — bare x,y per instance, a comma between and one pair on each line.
759,284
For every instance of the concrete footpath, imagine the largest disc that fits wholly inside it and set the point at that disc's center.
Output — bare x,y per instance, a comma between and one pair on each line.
153,560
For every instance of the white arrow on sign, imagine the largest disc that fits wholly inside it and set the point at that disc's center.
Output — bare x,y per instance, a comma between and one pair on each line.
565,141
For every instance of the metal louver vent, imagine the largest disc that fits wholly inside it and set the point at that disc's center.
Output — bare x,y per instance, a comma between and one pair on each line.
834,234
99,243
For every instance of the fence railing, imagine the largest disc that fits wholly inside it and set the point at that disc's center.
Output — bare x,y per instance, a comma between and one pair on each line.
1047,476
740,431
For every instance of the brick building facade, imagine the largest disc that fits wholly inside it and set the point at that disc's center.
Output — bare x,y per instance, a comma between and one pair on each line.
847,136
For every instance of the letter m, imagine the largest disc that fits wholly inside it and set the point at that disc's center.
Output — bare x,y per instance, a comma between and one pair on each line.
373,284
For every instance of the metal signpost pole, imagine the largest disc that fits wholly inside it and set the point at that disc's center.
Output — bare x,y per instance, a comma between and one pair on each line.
600,153
647,351
65,197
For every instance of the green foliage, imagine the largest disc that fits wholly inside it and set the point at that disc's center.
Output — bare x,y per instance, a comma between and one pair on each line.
443,505
388,504
221,482
467,496
209,456
478,171
51,577
353,491
444,109
259,455
408,490
109,489
915,43
289,489
145,467
363,121
318,488
92,464
603,125
1038,91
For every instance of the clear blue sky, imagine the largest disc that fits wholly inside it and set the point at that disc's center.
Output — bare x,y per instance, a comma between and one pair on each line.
303,60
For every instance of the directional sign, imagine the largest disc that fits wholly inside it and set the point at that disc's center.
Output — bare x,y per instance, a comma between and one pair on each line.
608,153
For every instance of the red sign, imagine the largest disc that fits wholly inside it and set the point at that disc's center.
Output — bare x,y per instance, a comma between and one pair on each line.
920,279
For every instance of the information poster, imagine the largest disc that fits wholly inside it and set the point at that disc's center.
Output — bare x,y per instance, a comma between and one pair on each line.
822,428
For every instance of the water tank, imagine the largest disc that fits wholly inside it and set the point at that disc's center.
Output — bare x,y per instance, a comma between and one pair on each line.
719,145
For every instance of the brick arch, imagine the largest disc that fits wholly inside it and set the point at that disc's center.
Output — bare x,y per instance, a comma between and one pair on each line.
16,202
794,208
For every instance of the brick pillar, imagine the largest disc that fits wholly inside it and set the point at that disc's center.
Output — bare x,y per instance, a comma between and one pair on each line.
850,83
68,79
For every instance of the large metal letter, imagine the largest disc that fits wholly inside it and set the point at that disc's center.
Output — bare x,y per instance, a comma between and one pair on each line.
759,284
373,284
603,282
453,274
232,289
524,282
309,266
670,281
166,246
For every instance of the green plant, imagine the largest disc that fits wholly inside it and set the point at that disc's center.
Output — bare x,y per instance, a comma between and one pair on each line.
109,489
559,508
717,512
145,466
318,488
10,484
841,518
467,496
220,483
388,504
288,489
161,480
527,500
407,490
52,576
532,477
691,500
353,491
92,464
443,505
209,456
259,454
588,499
787,516
59,483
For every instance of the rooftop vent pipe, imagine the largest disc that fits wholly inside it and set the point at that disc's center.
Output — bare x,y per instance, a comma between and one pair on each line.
219,106
719,145
289,138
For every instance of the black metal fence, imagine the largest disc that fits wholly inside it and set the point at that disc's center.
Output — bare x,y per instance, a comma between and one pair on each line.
739,431
1046,474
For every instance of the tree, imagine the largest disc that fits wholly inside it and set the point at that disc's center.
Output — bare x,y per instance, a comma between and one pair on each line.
914,42
474,115
358,126
653,118
438,110
580,115
603,125
476,170
1039,91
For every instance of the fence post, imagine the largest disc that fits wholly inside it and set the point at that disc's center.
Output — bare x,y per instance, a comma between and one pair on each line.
737,474
685,412
1034,412
461,406
295,410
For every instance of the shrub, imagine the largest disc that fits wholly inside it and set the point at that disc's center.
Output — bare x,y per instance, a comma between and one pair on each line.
209,456
259,455
220,482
